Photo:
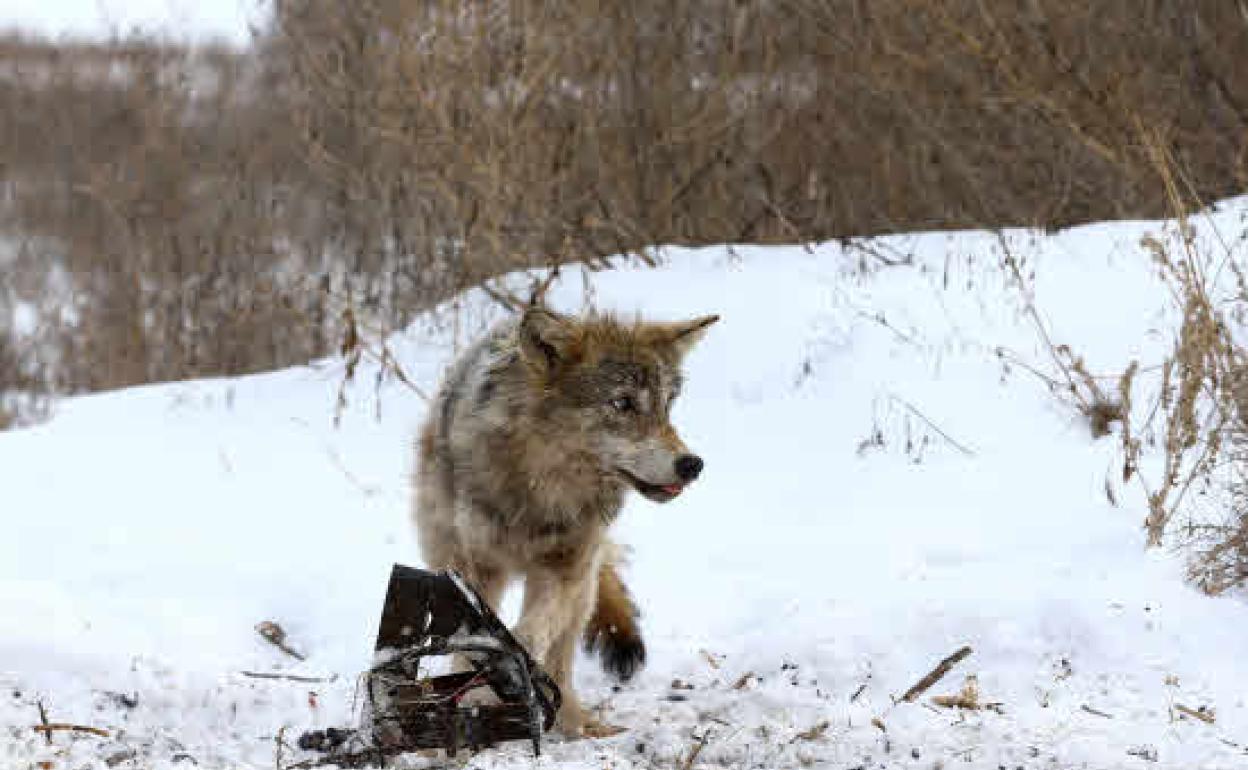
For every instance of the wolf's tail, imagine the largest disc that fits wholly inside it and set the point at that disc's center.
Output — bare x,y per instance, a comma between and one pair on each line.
612,630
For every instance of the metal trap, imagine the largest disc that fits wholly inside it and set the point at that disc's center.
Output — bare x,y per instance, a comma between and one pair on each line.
501,695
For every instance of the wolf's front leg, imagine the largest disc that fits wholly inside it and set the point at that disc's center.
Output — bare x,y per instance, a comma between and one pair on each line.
557,605
488,581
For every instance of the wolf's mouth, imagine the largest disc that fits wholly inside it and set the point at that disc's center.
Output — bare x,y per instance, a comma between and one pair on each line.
659,493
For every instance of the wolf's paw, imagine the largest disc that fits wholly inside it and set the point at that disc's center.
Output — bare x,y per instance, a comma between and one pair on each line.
621,652
621,656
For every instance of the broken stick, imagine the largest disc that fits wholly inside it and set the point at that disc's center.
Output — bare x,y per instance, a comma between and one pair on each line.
289,677
48,729
1203,714
814,733
935,675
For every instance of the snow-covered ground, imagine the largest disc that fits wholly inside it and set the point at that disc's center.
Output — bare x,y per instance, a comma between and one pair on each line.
880,490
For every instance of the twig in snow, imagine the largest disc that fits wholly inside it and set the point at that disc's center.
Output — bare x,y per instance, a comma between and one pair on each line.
278,740
711,659
858,693
48,729
914,411
1233,745
812,733
336,459
934,676
290,677
276,636
1204,714
881,319
696,750
43,718
1095,712
741,683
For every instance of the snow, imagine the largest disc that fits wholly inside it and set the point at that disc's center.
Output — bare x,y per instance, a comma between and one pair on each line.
839,544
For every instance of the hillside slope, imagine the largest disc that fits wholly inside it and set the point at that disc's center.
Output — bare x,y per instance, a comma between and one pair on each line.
880,490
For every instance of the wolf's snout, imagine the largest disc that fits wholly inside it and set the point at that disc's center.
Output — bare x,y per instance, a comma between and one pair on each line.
688,467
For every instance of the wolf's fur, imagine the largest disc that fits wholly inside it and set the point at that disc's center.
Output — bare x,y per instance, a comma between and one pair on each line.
531,444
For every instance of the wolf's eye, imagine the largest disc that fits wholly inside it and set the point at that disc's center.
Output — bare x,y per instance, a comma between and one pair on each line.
623,404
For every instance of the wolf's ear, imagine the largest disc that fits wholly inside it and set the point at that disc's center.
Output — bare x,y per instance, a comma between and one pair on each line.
545,338
681,336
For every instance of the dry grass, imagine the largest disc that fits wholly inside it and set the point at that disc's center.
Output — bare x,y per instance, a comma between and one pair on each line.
1198,502
1190,409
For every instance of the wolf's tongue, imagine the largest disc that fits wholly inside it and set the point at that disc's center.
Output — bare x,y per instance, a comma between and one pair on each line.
673,489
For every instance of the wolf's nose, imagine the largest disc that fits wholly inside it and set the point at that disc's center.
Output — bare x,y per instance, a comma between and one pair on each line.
688,467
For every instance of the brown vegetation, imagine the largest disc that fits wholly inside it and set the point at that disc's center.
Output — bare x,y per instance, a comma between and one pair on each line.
1183,420
174,213
1200,500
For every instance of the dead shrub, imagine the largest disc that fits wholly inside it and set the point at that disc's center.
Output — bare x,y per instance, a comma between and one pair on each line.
1201,502
1189,410
210,211
1069,378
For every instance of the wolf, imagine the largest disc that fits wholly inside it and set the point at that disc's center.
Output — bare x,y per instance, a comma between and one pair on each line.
536,435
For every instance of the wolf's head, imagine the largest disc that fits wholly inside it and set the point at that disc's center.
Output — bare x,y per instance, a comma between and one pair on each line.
608,387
